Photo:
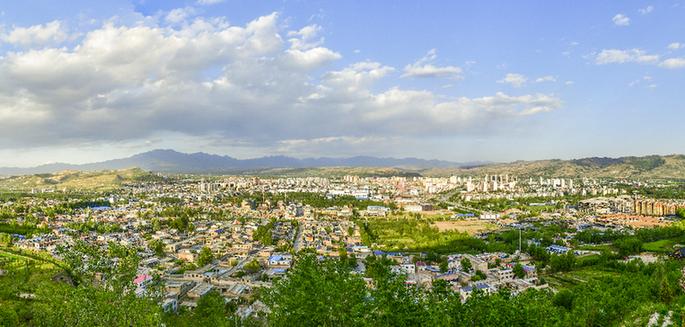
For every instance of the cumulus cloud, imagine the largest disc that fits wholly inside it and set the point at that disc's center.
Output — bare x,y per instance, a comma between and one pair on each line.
50,33
673,63
676,46
515,80
621,20
618,56
179,15
424,67
252,84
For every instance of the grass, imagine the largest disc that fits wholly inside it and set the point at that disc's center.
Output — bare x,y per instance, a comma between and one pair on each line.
25,273
470,227
662,246
596,247
561,280
414,235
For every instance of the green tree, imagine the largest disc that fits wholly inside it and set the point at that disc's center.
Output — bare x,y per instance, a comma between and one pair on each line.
211,310
317,294
518,271
563,262
466,264
104,294
157,246
205,257
252,267
479,275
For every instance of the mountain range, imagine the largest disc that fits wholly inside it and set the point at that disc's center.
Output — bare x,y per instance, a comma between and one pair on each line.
171,161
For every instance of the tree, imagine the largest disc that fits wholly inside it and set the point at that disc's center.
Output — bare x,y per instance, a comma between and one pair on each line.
518,271
479,276
104,294
466,264
317,294
563,262
628,245
252,267
443,266
157,246
205,257
264,234
211,310
680,212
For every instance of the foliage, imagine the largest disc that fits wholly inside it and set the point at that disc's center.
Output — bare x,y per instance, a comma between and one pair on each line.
157,246
563,262
518,271
205,257
317,294
264,234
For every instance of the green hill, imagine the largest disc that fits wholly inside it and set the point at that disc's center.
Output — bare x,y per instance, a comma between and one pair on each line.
648,167
76,180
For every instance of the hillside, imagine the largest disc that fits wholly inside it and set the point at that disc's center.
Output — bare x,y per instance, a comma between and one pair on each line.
648,167
75,180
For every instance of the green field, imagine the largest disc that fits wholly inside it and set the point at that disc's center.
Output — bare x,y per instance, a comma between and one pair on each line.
410,234
568,279
663,246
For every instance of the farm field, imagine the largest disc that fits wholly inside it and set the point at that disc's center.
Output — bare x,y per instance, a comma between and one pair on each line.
471,227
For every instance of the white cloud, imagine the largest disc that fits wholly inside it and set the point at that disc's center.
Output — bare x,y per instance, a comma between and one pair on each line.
646,10
179,15
311,58
37,35
424,67
617,56
253,84
673,63
515,80
547,78
676,46
621,20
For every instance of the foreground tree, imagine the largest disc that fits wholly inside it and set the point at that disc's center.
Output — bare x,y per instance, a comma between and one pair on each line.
317,294
104,291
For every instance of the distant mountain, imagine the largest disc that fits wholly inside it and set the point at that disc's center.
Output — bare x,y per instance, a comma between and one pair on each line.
169,161
177,162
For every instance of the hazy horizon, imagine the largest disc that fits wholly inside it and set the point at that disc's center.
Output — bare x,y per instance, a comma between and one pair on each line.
335,157
498,81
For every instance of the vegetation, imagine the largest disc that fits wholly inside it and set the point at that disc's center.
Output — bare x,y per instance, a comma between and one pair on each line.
313,199
77,180
313,292
415,235
264,234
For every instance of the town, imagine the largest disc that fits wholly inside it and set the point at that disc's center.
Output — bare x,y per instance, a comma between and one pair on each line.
236,235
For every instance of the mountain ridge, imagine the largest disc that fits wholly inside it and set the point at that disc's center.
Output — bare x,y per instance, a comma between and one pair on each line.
170,161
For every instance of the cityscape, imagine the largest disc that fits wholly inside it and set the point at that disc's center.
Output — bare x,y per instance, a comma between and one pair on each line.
303,163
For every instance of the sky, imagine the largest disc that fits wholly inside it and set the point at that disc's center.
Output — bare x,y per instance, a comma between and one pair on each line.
85,81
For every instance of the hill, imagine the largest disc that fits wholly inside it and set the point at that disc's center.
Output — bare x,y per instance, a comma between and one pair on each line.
75,180
647,167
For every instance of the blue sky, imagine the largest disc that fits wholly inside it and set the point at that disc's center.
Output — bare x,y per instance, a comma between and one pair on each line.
84,81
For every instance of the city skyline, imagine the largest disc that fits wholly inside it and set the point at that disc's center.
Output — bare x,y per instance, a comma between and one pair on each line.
85,82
